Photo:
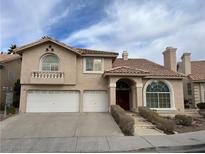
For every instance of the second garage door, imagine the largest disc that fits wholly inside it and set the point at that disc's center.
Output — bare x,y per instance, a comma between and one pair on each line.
52,101
95,101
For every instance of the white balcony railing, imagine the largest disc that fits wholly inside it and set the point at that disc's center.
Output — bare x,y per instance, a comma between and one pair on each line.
47,75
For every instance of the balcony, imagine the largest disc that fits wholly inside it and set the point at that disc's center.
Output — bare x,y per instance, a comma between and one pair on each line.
39,77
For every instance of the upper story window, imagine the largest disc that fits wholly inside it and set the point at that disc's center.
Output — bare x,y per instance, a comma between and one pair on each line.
158,95
50,62
93,65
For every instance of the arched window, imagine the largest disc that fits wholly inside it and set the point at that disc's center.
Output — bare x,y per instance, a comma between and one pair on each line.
158,95
49,62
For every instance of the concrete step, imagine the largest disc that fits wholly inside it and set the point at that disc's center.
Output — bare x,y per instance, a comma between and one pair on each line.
147,131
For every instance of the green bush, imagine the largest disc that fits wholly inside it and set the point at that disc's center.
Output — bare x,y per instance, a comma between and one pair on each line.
161,123
183,120
10,110
201,105
125,122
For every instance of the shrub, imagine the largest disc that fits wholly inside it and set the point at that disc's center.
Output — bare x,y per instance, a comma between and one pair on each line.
166,125
161,123
183,120
125,122
201,105
10,110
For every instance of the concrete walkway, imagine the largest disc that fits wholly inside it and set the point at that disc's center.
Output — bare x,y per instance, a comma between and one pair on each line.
187,142
143,127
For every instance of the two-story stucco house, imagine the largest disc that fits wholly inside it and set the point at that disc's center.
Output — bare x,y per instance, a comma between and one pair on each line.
194,83
59,78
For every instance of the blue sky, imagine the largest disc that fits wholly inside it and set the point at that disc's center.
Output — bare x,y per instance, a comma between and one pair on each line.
142,27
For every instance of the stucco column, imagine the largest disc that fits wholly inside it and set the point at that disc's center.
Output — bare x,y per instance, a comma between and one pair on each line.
139,93
134,100
22,105
112,94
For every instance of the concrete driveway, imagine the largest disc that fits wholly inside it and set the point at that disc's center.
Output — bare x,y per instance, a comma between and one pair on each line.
30,125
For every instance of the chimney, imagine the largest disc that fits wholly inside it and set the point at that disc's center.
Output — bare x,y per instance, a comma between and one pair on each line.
125,55
186,63
170,61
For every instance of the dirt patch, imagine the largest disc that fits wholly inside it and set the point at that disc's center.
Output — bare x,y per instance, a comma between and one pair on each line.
197,125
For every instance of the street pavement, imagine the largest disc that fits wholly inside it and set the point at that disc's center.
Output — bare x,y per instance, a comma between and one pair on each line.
186,142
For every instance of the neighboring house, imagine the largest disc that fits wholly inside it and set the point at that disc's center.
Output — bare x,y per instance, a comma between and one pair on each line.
59,78
194,83
10,68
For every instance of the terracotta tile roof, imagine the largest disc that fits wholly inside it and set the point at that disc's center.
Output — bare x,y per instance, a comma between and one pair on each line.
45,39
124,70
197,70
79,51
152,69
6,57
91,51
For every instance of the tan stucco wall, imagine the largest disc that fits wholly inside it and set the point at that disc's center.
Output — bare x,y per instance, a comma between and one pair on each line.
13,68
70,64
31,62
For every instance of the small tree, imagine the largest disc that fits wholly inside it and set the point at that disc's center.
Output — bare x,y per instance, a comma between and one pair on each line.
11,48
17,91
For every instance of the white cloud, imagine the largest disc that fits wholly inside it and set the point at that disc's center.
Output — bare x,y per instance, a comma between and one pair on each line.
25,21
146,28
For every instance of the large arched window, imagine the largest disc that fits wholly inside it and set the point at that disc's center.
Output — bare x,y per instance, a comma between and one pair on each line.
158,95
50,62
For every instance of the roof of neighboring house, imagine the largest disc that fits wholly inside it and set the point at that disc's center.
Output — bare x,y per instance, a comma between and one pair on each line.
142,67
8,57
197,70
79,51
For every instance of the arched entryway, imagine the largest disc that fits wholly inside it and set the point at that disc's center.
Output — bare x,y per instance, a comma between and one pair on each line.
124,93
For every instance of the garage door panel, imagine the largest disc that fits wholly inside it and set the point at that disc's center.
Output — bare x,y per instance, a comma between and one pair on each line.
95,101
53,101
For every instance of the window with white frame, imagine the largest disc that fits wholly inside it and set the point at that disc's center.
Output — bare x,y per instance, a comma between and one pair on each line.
92,64
50,62
158,95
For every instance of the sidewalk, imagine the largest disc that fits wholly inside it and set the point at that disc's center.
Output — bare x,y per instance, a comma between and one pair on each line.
176,143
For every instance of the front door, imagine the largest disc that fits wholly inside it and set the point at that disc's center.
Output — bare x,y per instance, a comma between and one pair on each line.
122,99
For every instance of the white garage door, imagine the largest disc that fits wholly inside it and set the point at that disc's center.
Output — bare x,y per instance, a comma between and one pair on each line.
95,101
53,101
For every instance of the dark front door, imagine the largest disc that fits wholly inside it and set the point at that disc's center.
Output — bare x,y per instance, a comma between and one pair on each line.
122,99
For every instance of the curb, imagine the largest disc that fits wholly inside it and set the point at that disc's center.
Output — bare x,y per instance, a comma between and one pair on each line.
171,149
